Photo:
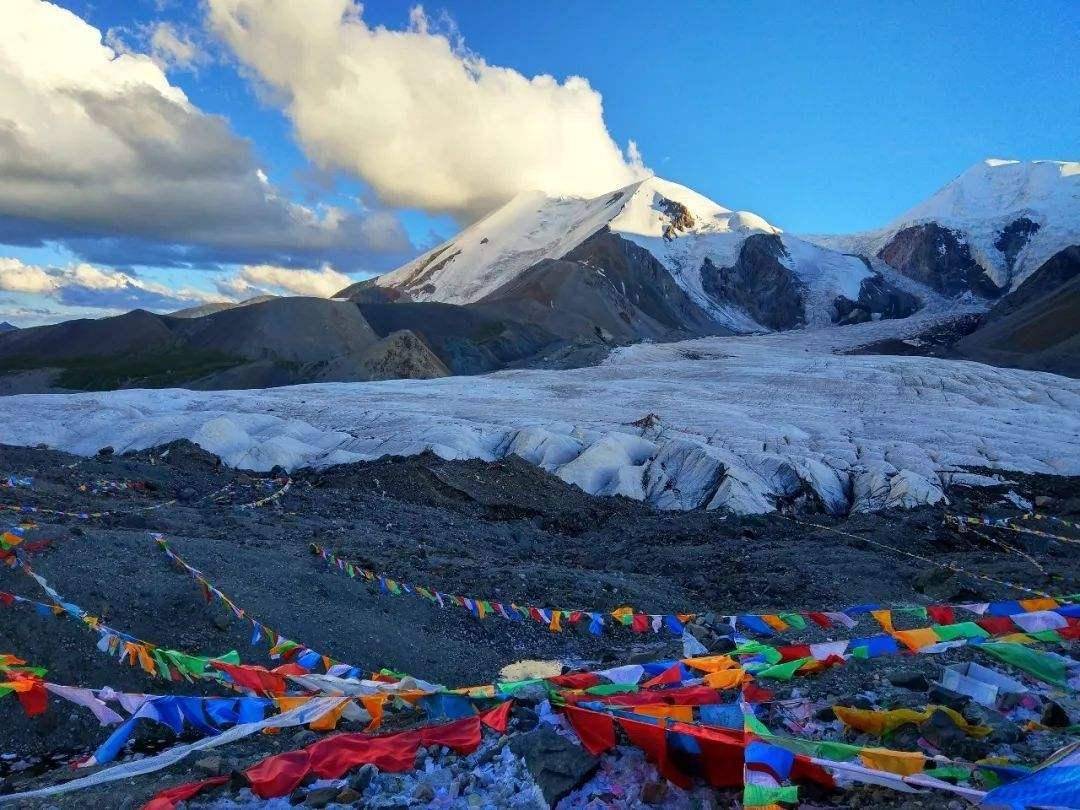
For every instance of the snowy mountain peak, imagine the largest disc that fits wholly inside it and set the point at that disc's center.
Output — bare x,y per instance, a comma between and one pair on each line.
997,223
998,189
533,226
659,208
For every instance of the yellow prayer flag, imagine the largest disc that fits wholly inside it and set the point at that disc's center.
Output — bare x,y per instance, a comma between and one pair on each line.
725,679
711,663
775,622
884,618
1032,605
902,763
374,706
916,639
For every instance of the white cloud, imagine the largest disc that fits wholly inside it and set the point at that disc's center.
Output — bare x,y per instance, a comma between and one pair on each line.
24,278
268,279
173,47
426,123
88,286
99,145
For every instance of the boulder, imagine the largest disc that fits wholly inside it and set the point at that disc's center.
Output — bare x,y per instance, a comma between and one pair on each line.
556,764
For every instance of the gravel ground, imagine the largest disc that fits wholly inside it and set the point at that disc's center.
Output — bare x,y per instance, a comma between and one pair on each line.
504,531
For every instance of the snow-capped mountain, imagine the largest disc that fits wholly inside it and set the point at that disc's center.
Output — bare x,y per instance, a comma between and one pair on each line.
986,231
734,268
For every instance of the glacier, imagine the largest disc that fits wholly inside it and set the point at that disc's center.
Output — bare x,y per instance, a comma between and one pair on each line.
737,423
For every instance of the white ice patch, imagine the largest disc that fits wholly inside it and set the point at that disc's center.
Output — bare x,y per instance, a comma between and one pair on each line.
744,421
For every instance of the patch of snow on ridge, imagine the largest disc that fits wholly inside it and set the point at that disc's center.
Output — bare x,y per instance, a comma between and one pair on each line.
744,421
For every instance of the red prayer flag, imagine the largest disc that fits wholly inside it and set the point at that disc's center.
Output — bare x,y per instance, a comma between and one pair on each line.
942,614
671,675
497,719
997,625
279,775
794,652
462,735
640,623
596,730
35,700
335,756
820,619
576,680
168,799
652,739
752,693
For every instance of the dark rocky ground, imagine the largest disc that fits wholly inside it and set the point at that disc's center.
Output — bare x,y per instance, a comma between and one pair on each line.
504,531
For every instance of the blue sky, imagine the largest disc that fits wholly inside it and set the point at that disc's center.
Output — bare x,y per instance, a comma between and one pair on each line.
820,117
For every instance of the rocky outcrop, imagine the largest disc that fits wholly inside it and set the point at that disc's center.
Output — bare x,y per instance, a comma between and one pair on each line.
759,283
467,339
1013,238
607,289
878,299
679,218
939,258
400,355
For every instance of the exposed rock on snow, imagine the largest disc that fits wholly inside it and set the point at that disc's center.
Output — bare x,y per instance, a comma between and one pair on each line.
746,421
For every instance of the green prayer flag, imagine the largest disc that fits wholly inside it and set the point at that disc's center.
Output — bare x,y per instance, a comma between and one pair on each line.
751,723
837,751
1049,636
1035,663
952,632
762,796
794,620
785,671
949,772
771,654
605,689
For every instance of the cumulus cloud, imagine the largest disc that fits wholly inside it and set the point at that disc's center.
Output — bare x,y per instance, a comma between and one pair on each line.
425,122
264,279
84,285
18,277
99,145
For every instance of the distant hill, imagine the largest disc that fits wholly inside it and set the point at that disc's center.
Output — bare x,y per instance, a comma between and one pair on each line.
220,306
276,342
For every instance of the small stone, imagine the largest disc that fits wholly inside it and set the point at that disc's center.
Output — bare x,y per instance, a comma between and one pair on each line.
423,792
106,451
522,718
943,733
211,765
907,679
237,781
654,793
304,737
941,696
347,796
362,778
825,714
297,797
320,797
1054,716
905,737
187,494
